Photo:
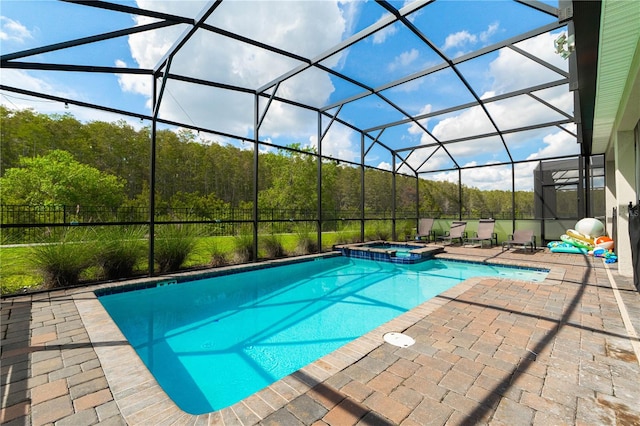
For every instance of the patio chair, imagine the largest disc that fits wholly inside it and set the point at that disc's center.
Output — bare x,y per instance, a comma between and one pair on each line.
521,237
424,230
484,233
456,232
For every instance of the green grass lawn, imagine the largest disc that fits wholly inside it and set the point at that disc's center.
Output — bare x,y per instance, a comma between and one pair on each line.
17,272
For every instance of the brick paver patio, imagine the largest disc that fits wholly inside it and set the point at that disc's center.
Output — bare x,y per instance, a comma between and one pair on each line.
488,351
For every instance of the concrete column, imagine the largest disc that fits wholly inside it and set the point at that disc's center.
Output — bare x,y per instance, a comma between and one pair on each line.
625,192
610,192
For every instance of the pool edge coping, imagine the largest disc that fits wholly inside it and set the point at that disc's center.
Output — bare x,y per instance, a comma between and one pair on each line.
141,399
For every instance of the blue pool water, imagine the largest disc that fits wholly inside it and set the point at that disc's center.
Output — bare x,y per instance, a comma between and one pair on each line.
212,342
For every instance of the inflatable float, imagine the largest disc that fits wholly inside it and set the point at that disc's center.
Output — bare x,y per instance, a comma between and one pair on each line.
577,239
587,238
562,247
590,226
608,255
580,238
604,242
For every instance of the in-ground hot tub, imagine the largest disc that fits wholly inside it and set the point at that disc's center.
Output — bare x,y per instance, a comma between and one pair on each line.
386,251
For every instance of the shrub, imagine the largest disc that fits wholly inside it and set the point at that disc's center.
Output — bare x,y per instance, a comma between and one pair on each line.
243,247
347,234
378,230
306,241
273,247
173,244
119,249
406,229
63,257
218,255
218,258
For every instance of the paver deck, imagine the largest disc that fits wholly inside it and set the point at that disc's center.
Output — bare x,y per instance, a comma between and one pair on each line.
488,351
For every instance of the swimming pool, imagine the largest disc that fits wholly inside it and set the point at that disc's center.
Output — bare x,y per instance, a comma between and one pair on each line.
212,342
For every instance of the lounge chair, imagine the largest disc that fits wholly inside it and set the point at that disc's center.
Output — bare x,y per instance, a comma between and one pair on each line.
424,230
520,237
484,233
456,232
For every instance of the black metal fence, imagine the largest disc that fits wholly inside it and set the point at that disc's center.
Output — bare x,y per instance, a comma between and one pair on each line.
61,214
23,224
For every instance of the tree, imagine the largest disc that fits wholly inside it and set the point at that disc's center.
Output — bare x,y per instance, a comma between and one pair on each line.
294,183
118,149
23,133
348,188
201,174
377,190
57,178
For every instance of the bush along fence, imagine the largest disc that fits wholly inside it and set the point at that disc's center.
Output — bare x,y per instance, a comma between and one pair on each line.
24,224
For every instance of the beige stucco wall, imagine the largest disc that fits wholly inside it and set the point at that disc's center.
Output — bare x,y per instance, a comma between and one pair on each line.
625,192
621,158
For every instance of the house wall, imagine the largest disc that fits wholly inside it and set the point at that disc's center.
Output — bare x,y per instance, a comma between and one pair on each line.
625,192
625,143
610,196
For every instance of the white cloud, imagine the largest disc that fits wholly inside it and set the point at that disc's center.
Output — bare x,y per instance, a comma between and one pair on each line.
25,80
384,166
382,35
133,83
404,59
451,176
472,121
11,30
487,95
524,176
340,143
461,38
438,159
509,71
487,178
557,144
558,96
485,36
414,129
463,41
283,120
521,111
350,12
311,27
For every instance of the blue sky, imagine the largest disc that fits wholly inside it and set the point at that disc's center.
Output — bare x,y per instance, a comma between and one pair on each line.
308,29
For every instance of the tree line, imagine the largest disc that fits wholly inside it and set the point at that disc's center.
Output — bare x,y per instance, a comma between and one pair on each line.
56,159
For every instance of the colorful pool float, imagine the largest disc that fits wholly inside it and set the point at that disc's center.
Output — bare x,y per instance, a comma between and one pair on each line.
583,239
562,247
576,242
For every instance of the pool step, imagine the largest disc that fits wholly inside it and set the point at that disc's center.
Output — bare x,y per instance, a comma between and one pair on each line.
411,253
